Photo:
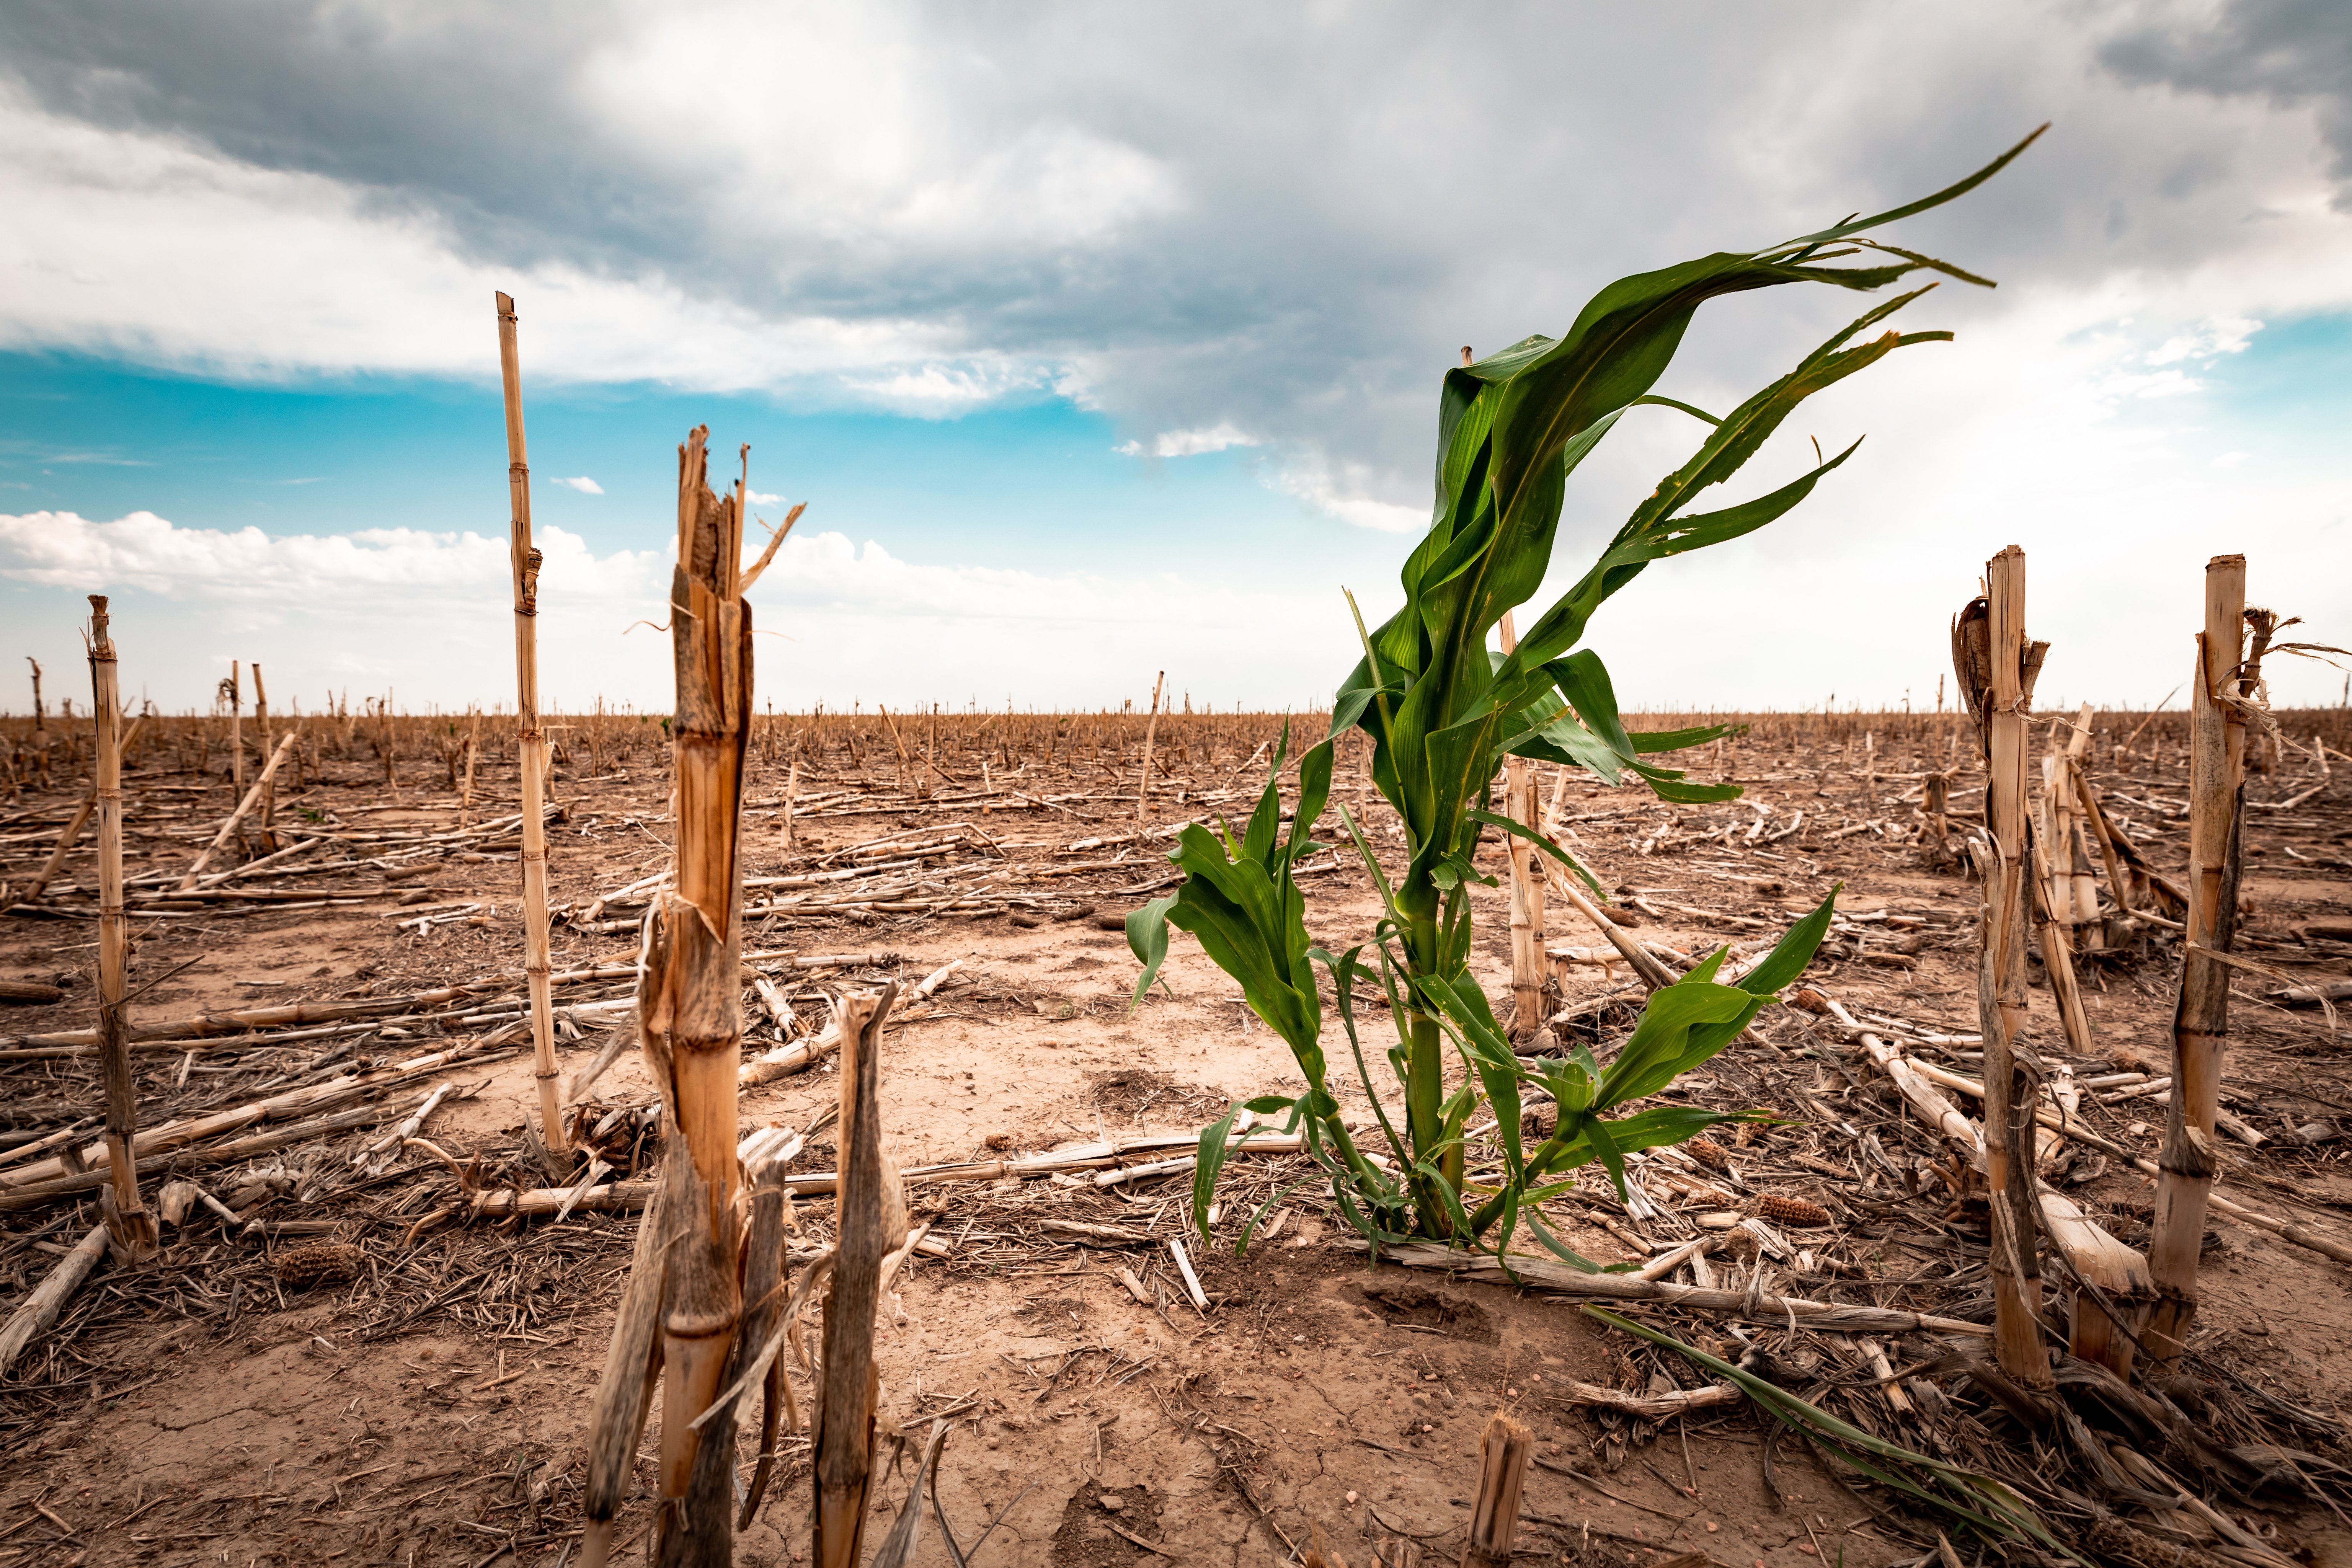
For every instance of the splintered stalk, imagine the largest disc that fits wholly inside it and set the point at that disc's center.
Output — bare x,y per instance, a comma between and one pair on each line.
871,1219
678,1321
127,1219
694,1014
632,1360
2200,1019
1504,1448
530,744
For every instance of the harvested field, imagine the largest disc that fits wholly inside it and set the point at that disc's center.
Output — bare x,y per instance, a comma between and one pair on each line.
365,1350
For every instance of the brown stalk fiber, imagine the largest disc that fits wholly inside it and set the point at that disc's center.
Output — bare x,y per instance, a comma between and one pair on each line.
2062,899
632,1360
764,1308
2200,1022
687,1274
868,1232
133,1228
1996,665
530,745
1504,1449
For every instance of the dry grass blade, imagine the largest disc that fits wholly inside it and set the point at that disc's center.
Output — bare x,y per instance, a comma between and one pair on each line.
1985,1504
898,1548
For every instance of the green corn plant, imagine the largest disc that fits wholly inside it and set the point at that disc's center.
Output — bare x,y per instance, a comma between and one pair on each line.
1441,712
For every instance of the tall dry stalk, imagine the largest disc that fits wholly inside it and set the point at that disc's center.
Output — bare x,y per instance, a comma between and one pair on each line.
269,792
127,1219
530,746
1150,732
2200,1020
473,755
1997,666
234,690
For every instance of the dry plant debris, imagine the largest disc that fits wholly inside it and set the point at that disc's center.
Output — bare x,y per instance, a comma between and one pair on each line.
372,1323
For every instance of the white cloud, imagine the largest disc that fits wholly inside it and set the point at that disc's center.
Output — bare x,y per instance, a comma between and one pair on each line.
1217,437
1344,490
157,248
2217,336
63,550
583,484
430,614
1204,229
761,498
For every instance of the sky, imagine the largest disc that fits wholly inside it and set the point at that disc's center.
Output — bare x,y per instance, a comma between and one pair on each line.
1100,342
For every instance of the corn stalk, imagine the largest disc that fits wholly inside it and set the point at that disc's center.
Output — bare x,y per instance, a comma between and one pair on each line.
1442,711
685,1301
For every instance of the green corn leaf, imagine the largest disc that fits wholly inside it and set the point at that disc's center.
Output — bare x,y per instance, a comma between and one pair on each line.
1554,1246
1249,1227
1706,969
1949,193
1343,987
1673,403
1522,830
1208,1161
1661,1042
1147,938
1669,787
1789,955
1488,1052
1596,1136
1648,740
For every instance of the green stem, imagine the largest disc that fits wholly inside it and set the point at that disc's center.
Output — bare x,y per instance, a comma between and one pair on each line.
1425,1092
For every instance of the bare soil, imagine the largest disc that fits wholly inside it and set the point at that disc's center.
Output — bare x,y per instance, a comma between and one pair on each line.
431,1410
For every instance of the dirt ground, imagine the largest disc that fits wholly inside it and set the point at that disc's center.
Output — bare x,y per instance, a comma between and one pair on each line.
430,1408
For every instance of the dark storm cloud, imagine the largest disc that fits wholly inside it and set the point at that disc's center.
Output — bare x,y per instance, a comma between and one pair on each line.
1287,218
2291,54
